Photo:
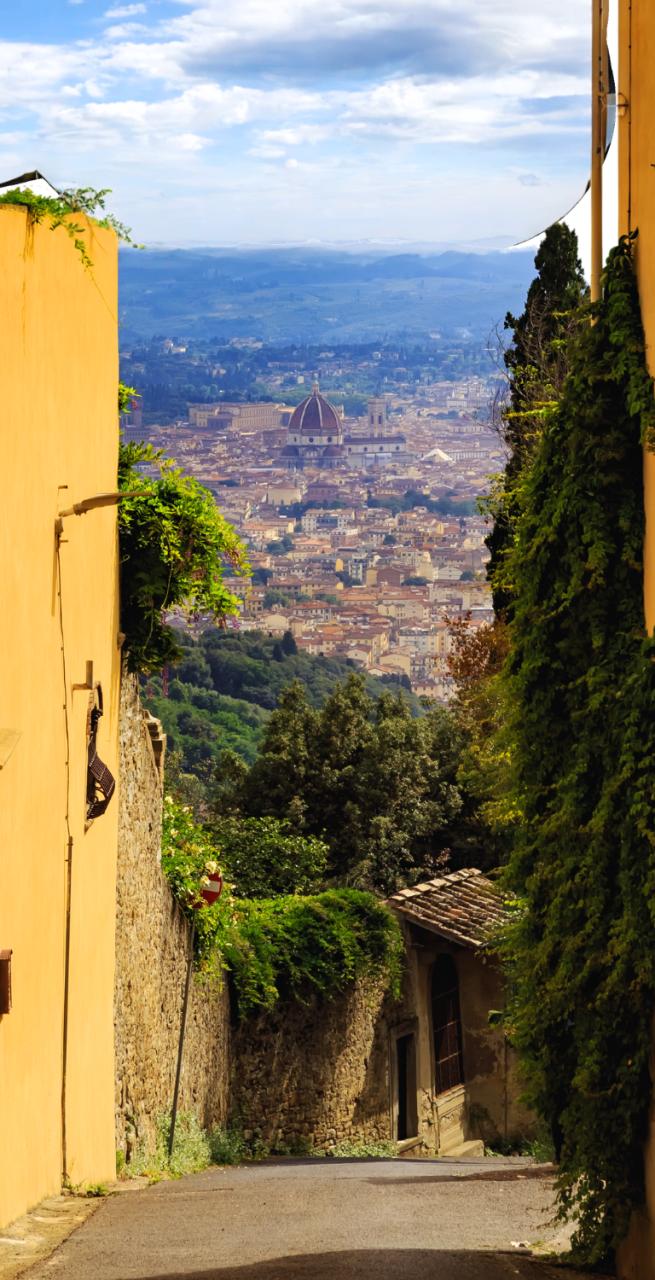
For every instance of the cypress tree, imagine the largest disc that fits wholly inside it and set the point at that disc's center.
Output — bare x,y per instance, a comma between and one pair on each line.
536,363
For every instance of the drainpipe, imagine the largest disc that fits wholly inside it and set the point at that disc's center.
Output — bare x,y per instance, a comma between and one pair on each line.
67,953
599,78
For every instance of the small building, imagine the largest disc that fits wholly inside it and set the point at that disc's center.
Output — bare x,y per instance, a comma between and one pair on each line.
453,1077
430,1070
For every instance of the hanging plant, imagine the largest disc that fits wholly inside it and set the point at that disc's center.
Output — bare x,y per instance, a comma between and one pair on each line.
174,548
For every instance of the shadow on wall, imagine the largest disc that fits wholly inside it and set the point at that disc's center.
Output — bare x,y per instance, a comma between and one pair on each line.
374,1264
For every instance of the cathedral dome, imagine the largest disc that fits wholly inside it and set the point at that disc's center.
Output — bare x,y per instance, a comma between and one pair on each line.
315,416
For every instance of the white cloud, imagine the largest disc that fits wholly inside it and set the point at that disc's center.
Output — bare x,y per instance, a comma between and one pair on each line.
356,87
125,10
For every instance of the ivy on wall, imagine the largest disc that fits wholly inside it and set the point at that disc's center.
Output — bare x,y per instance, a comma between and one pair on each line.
580,681
283,947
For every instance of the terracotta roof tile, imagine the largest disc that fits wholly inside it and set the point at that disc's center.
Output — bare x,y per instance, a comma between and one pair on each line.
463,907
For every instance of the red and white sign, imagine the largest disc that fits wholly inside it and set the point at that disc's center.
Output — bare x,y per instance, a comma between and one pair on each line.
211,887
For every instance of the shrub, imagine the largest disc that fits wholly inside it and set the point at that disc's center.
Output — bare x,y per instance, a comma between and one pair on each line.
281,946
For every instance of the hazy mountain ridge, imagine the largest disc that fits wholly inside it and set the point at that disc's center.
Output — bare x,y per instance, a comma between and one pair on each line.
314,294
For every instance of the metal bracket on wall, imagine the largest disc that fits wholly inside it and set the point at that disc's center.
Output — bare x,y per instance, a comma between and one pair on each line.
88,683
5,981
9,739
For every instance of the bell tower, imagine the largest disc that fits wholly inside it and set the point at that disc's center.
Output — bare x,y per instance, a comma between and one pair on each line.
378,416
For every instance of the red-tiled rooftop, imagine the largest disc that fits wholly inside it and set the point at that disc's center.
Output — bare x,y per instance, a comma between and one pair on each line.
463,907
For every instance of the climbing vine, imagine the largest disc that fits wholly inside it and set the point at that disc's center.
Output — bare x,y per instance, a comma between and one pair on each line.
283,947
59,211
536,360
580,681
174,545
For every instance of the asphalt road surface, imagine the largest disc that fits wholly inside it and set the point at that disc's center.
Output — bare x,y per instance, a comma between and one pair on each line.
320,1220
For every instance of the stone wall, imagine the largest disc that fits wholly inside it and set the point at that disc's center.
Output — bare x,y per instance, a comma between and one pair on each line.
314,1074
152,939
299,1075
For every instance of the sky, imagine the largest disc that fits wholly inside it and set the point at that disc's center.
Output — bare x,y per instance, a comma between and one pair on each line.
221,122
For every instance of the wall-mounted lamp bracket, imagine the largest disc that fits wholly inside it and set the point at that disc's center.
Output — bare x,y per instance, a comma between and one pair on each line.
91,504
88,683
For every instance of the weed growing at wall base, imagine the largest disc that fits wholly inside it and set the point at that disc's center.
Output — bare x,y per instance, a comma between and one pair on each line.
346,1150
191,1151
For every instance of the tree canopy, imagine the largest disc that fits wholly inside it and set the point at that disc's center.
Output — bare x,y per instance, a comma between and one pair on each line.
378,785
536,361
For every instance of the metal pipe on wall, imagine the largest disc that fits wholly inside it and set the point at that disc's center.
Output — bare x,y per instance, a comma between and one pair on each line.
599,92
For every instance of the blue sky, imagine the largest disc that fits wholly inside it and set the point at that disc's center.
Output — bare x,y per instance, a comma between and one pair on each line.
264,121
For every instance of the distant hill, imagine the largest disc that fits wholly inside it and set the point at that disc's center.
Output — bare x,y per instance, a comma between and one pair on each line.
320,295
222,692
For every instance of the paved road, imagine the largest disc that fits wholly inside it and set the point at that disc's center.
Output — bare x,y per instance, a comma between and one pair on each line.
319,1220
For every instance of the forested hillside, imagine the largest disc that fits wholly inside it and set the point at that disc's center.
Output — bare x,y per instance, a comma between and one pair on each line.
221,694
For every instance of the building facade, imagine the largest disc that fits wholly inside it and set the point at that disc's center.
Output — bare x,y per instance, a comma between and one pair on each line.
61,654
316,438
637,213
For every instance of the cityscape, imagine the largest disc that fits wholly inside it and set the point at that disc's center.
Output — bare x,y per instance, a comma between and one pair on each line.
365,532
327,719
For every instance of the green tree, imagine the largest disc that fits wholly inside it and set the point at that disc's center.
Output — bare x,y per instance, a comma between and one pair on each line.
276,785
289,645
536,361
377,784
174,544
479,705
264,858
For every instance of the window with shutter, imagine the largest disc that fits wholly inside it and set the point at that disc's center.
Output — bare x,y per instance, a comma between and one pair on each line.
446,1025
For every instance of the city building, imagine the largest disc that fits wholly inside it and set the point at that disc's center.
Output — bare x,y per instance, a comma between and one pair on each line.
239,417
315,434
316,437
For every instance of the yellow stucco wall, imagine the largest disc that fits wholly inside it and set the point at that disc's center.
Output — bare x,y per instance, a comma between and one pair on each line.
637,212
58,386
637,206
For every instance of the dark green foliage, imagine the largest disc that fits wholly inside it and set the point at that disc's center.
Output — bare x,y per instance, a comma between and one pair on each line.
200,723
554,296
536,361
282,947
449,505
290,947
377,784
174,544
581,689
265,858
289,646
227,683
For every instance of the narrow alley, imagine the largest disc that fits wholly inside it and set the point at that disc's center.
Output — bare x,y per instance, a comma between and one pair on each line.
321,1220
